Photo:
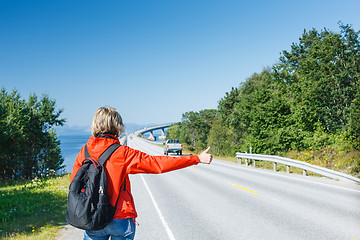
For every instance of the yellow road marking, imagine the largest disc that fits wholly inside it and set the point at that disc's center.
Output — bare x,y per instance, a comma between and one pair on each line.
244,188
194,169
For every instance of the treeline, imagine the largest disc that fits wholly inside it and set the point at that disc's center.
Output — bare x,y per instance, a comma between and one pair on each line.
29,145
308,100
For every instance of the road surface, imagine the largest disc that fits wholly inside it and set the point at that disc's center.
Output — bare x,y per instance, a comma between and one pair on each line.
228,201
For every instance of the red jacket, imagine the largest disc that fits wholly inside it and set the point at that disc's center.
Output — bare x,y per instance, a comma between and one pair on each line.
125,161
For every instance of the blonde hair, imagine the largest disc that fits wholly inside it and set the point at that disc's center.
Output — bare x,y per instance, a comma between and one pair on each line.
107,121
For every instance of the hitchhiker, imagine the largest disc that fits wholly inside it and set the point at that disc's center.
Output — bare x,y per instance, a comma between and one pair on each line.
106,127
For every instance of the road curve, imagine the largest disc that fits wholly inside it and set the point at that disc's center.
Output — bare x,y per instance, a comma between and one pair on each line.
227,201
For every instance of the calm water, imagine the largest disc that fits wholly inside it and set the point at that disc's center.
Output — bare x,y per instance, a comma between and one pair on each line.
70,147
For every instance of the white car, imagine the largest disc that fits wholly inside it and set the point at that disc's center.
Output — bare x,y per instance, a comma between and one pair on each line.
174,146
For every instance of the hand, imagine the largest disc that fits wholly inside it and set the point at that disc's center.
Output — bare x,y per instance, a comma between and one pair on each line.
205,157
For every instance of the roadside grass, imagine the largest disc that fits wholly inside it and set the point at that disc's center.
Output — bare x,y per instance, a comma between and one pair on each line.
330,157
33,209
229,159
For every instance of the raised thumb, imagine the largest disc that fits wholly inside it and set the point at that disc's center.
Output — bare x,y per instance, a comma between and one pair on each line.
207,150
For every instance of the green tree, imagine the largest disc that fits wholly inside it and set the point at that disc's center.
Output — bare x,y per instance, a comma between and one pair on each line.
194,128
220,138
28,143
320,73
353,132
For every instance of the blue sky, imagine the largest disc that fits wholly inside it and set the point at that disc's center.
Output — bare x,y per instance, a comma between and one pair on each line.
152,59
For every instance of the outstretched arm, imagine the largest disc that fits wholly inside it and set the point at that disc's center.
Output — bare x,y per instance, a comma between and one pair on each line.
140,162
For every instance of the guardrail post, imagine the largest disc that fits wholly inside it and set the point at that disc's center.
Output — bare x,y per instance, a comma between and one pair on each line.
247,162
274,167
304,172
251,160
287,169
239,160
254,163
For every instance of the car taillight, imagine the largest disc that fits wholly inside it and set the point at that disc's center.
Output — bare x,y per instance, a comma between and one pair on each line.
167,146
181,145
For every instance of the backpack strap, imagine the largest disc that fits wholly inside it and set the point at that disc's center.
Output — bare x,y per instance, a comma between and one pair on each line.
106,154
87,155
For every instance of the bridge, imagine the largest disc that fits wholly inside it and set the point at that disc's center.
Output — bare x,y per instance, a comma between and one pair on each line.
162,127
152,129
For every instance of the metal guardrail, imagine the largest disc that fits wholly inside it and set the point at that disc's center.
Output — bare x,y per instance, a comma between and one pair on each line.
294,163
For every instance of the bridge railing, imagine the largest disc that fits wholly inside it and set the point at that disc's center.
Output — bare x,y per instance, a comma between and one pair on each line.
294,163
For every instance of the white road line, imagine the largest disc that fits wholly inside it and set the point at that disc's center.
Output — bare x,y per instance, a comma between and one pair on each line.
168,230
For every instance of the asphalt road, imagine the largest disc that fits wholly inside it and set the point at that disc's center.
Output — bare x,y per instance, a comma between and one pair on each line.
227,201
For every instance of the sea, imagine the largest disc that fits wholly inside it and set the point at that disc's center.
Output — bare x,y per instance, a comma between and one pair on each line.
71,146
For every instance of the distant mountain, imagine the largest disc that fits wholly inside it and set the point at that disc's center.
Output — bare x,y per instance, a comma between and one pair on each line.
73,130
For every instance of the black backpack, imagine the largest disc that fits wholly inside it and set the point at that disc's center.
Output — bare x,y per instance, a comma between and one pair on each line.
88,205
